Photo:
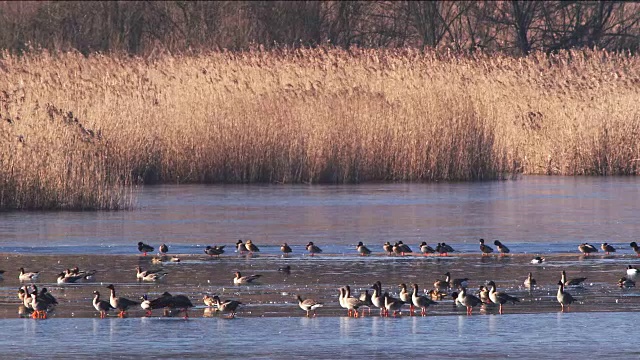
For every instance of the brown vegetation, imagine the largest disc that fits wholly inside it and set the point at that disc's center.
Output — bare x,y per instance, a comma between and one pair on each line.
78,131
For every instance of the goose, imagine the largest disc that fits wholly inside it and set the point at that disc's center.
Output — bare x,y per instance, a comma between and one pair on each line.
468,300
25,296
208,301
239,279
352,304
120,303
144,248
377,299
400,248
500,297
444,249
102,306
44,296
485,249
483,294
308,305
182,303
86,275
286,249
388,248
392,304
587,249
426,249
530,282
607,248
39,307
537,260
365,297
228,306
635,247
154,276
214,250
572,282
362,250
28,276
632,272
501,248
142,274
422,302
164,249
313,249
251,247
449,283
564,298
240,247
406,297
626,283
285,269
435,294
63,278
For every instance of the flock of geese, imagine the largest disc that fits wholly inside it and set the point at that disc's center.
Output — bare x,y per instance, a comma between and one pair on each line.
37,303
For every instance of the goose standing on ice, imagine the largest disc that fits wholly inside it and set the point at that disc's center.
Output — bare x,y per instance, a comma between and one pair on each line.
564,298
500,298
426,249
286,249
308,305
587,249
120,303
251,247
102,306
485,249
144,248
607,248
502,249
313,249
362,250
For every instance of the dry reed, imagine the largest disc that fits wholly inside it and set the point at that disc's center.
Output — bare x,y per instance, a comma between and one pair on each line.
307,116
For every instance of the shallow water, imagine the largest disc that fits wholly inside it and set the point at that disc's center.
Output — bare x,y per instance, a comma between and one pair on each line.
546,216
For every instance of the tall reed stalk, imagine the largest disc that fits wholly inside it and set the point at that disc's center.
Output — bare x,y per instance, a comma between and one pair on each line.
77,132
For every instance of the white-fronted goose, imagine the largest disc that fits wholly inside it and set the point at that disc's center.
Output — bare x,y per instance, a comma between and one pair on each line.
502,249
635,247
607,248
309,305
564,298
102,306
251,247
28,276
228,306
39,307
164,249
377,299
239,279
351,303
406,297
500,298
362,250
214,250
140,274
468,300
422,302
530,282
387,247
426,249
144,248
485,249
393,305
286,249
313,249
120,303
587,249
572,282
365,297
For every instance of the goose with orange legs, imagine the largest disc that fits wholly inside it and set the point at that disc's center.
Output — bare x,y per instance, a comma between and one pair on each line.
392,305
500,298
120,303
352,304
468,300
388,248
313,249
587,249
607,248
377,299
308,305
564,298
362,249
421,302
426,249
405,296
102,306
144,248
285,249
502,249
485,249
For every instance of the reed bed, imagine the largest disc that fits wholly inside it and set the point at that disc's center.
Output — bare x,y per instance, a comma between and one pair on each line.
79,132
